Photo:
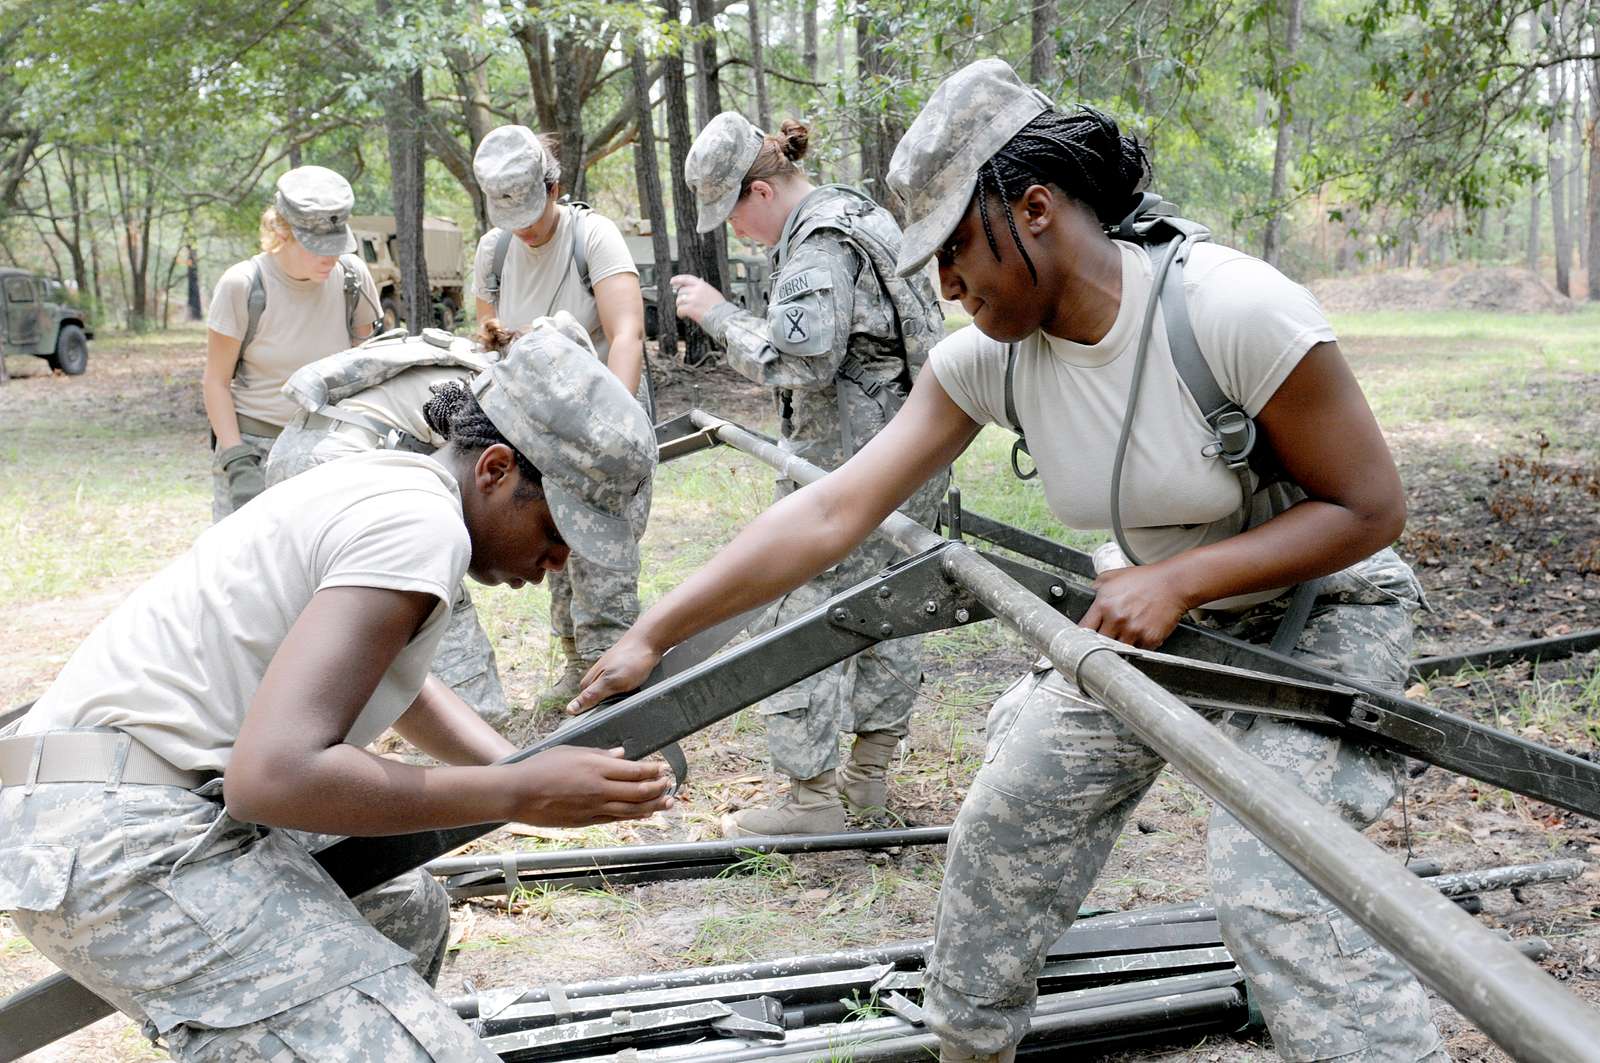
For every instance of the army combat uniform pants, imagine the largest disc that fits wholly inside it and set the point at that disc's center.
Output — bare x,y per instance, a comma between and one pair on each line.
1061,775
464,660
226,940
872,691
594,605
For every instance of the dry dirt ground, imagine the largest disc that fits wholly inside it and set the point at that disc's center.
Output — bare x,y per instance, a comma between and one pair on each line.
1504,534
1497,288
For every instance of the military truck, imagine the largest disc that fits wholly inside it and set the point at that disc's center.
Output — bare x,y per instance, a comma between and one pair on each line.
36,318
441,245
748,286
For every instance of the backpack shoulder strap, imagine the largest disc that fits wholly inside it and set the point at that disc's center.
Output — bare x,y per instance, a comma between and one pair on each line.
497,266
1237,443
255,305
580,243
352,297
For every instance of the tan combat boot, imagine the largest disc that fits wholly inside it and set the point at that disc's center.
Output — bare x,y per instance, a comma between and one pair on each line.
570,681
811,807
865,780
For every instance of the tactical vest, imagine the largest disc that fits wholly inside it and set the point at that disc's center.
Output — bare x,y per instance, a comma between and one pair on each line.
871,231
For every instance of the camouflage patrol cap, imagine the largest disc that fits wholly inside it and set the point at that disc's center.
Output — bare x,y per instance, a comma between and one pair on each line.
554,401
316,204
718,160
513,169
972,114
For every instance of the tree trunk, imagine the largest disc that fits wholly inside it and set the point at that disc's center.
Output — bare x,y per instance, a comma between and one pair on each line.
1272,241
404,112
1592,282
708,102
1042,53
881,128
648,169
675,90
1558,182
758,70
808,19
1575,170
195,313
569,119
1533,189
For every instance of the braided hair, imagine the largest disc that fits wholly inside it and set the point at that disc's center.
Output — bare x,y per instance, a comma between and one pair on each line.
454,413
1082,153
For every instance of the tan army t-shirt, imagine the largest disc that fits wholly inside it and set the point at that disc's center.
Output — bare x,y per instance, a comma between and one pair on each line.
303,321
538,281
1253,326
177,664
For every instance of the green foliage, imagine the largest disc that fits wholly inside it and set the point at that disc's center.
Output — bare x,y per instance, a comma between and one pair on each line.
1401,109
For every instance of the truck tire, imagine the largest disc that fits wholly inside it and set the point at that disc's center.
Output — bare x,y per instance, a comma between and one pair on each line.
445,313
72,351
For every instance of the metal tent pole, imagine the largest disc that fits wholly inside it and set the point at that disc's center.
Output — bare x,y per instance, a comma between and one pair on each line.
1523,1010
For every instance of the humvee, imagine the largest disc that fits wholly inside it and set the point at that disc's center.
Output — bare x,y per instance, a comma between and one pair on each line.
36,318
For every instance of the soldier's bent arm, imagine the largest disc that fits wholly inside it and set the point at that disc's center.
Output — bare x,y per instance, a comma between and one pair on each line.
621,310
292,767
805,333
222,358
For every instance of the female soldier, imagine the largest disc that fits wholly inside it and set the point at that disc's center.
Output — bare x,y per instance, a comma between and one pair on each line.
274,313
1012,196
155,794
839,341
543,256
372,397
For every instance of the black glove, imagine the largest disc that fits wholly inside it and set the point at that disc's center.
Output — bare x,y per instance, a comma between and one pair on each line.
241,464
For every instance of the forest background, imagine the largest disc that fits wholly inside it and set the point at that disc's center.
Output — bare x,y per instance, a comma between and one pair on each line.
139,141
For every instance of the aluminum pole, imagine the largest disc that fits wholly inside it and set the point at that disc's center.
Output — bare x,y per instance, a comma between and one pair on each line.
1517,1005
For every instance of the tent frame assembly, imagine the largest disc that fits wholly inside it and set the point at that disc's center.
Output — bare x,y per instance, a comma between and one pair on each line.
943,583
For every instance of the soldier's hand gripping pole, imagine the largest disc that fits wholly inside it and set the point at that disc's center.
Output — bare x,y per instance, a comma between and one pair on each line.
1523,1010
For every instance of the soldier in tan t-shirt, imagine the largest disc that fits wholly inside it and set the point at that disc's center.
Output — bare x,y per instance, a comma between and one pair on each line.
319,299
1020,203
590,607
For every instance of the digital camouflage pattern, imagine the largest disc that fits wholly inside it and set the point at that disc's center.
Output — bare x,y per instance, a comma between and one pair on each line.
971,115
1061,775
554,401
834,338
331,380
514,169
716,164
316,203
224,938
873,691
593,604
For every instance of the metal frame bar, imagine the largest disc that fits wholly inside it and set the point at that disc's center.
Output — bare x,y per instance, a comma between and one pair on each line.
946,584
1517,1005
1536,650
1384,719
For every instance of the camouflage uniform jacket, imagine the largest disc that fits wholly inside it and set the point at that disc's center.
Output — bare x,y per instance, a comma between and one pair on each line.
842,332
